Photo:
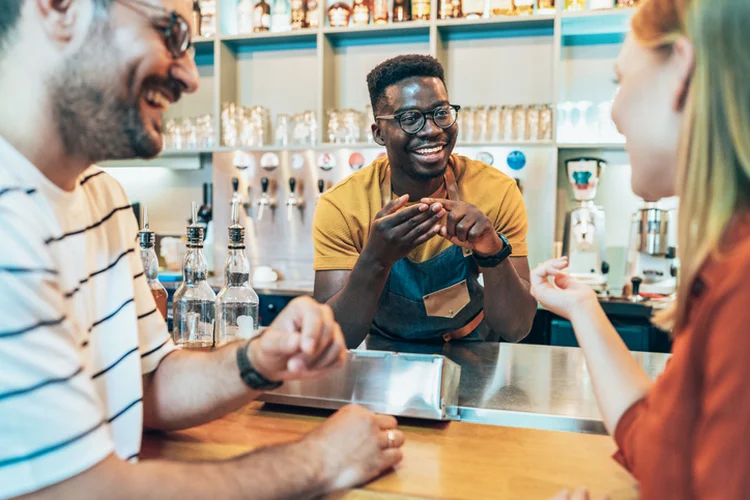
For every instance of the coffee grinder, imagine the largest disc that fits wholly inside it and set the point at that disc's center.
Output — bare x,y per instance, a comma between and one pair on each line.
583,241
652,254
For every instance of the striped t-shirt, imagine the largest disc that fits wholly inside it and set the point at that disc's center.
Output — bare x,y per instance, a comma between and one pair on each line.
78,326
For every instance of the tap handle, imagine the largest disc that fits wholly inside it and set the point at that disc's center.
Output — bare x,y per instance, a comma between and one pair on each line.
264,184
235,184
636,282
321,186
292,184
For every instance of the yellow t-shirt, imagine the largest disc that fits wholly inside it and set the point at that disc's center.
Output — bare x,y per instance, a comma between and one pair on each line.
345,213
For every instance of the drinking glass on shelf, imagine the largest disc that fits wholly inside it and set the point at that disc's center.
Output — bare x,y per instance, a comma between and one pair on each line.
206,131
190,133
228,125
282,130
480,124
168,134
333,126
519,123
367,118
506,123
546,119
311,121
467,124
533,118
352,126
565,123
582,129
493,123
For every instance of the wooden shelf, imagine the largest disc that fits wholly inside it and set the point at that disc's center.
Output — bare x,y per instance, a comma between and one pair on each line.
378,33
306,38
611,146
506,26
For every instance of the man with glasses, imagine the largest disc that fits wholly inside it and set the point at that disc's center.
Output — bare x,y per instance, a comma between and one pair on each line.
85,358
400,245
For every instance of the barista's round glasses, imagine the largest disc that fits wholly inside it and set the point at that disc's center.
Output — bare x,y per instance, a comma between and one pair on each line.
174,27
412,121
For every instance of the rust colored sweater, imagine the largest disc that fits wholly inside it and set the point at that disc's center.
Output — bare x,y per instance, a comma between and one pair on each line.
690,437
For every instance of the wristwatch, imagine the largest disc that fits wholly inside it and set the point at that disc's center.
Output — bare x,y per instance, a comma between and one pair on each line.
494,260
250,375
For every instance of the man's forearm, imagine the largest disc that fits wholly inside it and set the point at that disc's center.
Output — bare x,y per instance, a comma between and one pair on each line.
508,305
191,388
287,471
354,306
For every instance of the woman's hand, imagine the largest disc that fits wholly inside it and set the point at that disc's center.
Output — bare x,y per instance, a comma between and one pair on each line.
558,292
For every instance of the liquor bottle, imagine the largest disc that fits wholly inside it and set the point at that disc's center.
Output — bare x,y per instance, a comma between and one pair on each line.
420,10
146,239
313,14
261,17
380,12
601,4
208,18
195,19
339,14
523,7
401,11
361,13
281,16
501,7
546,7
473,9
193,302
245,17
450,9
237,302
299,14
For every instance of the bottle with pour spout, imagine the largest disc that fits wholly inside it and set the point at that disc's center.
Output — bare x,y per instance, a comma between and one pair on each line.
237,302
146,239
193,302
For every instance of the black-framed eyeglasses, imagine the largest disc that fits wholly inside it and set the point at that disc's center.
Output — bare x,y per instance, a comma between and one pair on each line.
412,121
175,28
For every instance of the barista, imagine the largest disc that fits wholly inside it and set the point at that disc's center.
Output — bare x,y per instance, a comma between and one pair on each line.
400,245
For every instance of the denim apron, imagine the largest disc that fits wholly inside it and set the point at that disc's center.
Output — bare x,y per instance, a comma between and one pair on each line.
436,300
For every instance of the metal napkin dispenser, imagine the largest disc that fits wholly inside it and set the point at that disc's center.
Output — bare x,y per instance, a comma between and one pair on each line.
400,384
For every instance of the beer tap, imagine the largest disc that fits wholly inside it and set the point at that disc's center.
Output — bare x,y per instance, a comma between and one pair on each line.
265,199
321,187
293,200
236,196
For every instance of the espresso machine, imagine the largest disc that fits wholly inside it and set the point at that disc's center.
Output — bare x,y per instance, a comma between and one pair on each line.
583,241
652,254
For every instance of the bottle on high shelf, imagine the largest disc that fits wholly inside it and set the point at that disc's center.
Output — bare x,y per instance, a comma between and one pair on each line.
208,18
237,302
420,10
401,11
193,303
261,16
339,14
545,7
361,13
281,16
299,14
523,7
450,9
380,12
244,17
501,7
601,4
313,14
195,19
146,238
575,5
473,9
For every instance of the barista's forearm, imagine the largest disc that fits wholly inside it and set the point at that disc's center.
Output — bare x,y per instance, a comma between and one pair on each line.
508,305
354,306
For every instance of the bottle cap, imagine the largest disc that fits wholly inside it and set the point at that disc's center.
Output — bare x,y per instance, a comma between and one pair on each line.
236,231
146,237
194,230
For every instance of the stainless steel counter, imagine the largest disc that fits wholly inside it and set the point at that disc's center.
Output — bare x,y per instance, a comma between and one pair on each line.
286,288
516,385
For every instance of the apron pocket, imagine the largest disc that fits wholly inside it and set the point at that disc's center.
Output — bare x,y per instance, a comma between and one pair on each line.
447,303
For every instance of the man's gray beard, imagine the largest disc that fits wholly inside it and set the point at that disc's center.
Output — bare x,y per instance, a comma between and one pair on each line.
93,120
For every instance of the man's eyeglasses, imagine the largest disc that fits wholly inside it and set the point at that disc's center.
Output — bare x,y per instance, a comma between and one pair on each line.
413,121
175,28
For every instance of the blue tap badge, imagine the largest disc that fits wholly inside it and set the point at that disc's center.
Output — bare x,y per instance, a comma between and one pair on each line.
516,160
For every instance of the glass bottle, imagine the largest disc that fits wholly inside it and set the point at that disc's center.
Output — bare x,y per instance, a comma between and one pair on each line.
313,14
261,16
245,17
237,302
299,14
420,10
575,5
193,302
501,7
601,4
401,11
281,16
195,18
146,238
339,14
627,3
208,18
523,7
473,9
361,13
380,12
450,9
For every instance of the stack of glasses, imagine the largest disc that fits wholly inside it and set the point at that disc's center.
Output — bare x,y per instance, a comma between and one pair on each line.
241,126
506,123
189,133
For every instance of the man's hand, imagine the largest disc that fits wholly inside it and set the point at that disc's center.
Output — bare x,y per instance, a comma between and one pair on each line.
303,342
355,446
397,231
468,227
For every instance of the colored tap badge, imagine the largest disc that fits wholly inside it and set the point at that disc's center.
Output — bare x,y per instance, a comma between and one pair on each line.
326,161
298,161
356,161
486,157
516,160
269,161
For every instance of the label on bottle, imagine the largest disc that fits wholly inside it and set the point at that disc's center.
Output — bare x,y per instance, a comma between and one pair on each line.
361,15
380,11
313,14
501,7
473,8
261,19
420,10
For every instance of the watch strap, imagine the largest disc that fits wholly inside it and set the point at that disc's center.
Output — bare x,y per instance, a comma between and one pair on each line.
498,258
250,375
